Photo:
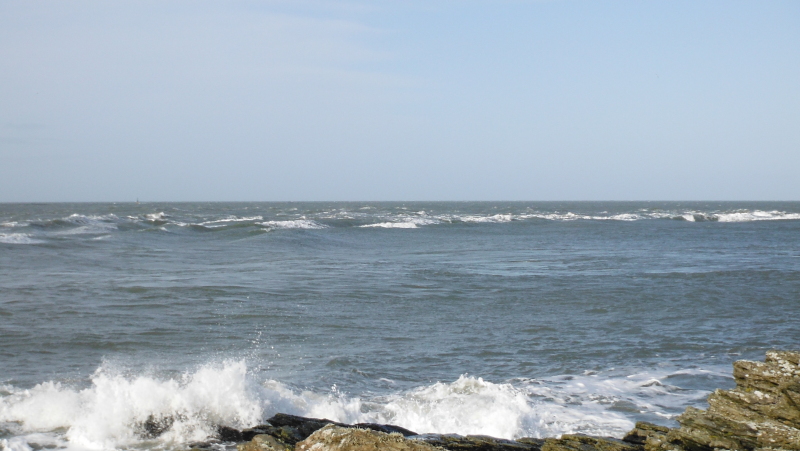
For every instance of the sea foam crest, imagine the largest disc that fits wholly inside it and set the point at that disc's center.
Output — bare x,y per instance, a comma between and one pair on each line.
404,222
224,221
293,224
757,215
18,238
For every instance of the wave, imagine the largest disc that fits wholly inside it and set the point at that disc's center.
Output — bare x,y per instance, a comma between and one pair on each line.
404,223
293,224
757,215
18,238
90,225
112,411
226,221
76,224
12,224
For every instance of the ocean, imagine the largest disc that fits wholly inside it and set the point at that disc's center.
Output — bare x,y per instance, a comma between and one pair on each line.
508,319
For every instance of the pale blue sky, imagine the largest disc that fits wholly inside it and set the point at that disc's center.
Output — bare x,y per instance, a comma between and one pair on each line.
399,100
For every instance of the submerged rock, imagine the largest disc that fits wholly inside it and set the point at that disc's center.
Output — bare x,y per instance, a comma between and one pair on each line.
337,438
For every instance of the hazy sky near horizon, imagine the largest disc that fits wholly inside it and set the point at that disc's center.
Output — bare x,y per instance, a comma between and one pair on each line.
399,100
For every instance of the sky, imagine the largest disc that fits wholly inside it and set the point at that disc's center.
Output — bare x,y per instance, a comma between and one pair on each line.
306,100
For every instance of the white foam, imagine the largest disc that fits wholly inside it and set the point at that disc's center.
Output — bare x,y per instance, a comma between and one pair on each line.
469,405
14,444
107,415
393,225
14,224
18,238
160,216
230,219
406,222
293,224
757,215
492,218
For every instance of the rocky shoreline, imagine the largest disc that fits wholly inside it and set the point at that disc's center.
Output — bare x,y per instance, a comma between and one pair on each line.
761,413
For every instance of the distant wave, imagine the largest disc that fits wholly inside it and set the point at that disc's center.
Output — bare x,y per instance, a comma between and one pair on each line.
79,225
293,224
392,225
404,222
225,221
14,224
18,238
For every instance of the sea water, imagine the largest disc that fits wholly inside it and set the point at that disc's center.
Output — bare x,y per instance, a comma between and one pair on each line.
506,319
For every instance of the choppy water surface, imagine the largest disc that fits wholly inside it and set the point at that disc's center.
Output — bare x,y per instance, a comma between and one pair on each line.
506,319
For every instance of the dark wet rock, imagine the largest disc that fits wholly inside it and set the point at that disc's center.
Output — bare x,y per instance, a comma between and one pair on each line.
577,442
154,426
229,434
209,444
454,442
292,428
286,434
337,438
387,428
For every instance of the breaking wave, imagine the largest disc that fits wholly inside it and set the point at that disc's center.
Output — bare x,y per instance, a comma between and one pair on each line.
112,412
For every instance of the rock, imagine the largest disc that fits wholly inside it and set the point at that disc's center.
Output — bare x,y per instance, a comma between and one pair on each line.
453,442
302,425
154,426
229,434
264,442
644,433
761,412
649,435
387,428
337,438
576,442
286,434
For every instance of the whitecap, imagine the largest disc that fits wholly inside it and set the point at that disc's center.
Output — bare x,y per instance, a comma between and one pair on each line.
757,215
160,216
18,238
392,225
293,224
220,222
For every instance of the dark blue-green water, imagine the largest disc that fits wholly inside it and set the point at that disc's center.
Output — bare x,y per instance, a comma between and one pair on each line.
506,319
